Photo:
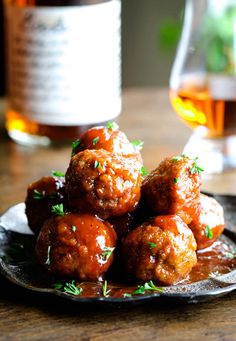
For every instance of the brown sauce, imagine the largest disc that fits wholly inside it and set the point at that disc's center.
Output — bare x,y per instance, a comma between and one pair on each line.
216,260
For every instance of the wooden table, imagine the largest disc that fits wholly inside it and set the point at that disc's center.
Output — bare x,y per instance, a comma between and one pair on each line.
148,116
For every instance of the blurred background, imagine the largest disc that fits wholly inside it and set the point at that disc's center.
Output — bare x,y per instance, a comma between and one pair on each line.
150,30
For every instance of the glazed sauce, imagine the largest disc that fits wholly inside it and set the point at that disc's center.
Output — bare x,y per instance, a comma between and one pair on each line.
216,260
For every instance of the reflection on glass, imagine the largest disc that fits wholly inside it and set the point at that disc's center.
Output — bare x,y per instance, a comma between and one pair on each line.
203,82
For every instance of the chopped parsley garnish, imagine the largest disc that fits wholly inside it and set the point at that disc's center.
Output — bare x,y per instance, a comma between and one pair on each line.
69,288
74,146
112,126
58,174
38,195
138,144
195,169
58,209
208,232
73,228
152,245
97,164
176,180
177,158
127,295
143,171
105,291
95,140
48,261
148,286
230,255
107,252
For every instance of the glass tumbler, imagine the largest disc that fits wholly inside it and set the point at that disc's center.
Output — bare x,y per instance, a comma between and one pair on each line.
203,82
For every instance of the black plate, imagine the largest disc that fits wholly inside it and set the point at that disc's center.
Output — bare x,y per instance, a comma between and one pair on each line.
18,264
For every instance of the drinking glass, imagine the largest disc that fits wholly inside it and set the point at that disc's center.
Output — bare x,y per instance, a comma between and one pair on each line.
203,82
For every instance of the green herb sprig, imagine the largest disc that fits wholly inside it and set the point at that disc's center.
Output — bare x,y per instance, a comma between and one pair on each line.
112,126
105,291
69,288
97,164
148,286
208,232
195,169
138,144
39,195
58,174
152,245
107,252
144,172
74,146
95,140
58,209
48,260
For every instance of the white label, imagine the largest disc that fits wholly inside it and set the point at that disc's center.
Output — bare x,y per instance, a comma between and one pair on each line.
64,63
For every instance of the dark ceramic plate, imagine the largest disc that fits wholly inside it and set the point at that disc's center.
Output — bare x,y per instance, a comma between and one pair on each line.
17,263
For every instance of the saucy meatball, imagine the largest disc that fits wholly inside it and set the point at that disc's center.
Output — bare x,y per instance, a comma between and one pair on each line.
103,183
162,250
41,196
114,141
210,224
76,245
174,188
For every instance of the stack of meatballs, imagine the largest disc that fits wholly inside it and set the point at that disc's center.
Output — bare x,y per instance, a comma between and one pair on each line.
105,209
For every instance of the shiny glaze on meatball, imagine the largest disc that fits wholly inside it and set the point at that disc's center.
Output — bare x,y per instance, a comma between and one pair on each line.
103,183
114,141
76,245
41,196
174,188
162,250
210,224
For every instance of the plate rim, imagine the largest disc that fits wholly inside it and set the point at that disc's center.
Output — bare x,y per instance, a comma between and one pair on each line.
189,297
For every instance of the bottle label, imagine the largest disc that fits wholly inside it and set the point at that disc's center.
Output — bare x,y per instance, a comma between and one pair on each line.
64,63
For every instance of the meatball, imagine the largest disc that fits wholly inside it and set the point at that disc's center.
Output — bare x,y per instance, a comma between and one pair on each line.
76,245
41,196
162,250
113,141
174,188
210,223
103,183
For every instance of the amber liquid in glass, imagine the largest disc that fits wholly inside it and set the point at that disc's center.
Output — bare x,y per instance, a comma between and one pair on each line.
196,107
16,121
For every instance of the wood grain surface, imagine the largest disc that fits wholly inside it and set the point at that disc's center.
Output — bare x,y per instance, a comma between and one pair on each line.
25,315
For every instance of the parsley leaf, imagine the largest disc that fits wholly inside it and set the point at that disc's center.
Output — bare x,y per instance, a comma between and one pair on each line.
138,144
58,209
97,164
152,245
195,169
74,146
148,286
112,126
38,195
48,261
107,252
208,232
69,288
95,140
105,292
127,295
143,171
58,174
73,228
176,180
